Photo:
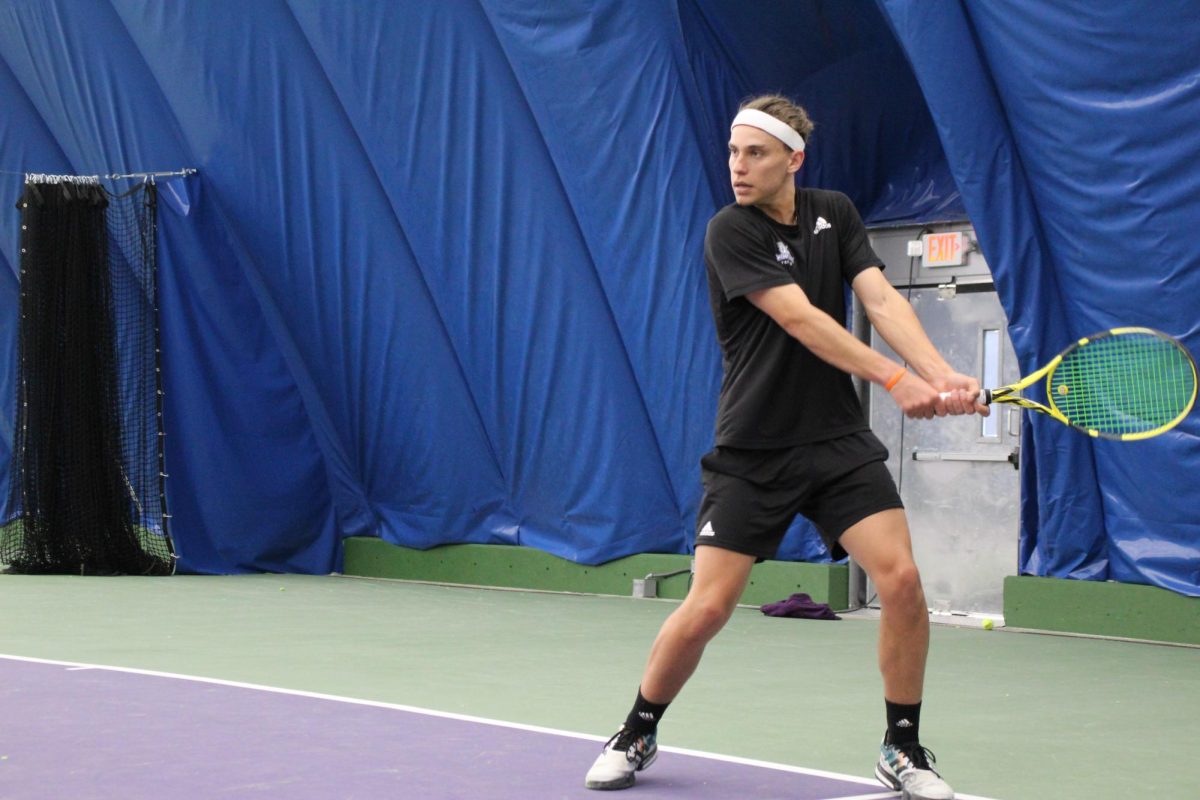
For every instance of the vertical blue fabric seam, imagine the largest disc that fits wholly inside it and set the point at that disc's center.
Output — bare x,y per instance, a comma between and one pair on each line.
271,316
400,225
595,271
1104,536
45,124
708,138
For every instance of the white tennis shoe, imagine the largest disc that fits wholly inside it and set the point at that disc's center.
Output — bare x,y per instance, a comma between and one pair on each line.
626,753
908,768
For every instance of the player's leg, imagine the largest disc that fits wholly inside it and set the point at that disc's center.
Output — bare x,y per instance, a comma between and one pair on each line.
880,543
718,583
743,515
719,579
858,508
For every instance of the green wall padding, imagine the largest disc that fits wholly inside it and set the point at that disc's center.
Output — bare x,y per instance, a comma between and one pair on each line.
527,568
1101,608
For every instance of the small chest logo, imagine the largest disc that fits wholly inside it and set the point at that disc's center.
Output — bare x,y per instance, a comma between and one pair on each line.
821,225
784,256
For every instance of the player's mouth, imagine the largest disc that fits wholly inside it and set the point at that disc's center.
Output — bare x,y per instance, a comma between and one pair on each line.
741,188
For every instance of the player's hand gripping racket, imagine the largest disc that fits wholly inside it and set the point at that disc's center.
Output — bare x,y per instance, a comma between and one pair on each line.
1125,384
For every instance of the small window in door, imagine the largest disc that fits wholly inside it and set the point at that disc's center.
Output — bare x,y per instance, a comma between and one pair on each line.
990,426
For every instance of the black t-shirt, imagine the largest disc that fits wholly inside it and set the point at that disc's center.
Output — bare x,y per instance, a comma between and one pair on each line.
776,392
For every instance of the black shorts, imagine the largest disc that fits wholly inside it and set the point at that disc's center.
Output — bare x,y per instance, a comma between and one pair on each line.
751,497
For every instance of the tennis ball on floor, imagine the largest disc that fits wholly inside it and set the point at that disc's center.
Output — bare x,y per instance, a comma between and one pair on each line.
988,624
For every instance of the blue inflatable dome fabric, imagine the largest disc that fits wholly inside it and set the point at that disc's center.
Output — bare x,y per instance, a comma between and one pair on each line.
439,278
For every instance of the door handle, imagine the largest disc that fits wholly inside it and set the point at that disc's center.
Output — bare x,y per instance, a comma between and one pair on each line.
1012,457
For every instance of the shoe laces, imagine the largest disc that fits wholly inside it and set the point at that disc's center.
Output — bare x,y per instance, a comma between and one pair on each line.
624,740
920,757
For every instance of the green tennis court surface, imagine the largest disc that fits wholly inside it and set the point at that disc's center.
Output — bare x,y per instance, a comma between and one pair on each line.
1009,715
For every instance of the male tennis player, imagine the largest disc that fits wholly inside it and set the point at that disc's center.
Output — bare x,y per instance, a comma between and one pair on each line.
791,437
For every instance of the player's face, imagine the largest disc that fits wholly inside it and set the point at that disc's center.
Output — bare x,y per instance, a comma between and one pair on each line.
760,166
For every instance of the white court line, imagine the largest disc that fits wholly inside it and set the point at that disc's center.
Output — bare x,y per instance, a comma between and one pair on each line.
75,665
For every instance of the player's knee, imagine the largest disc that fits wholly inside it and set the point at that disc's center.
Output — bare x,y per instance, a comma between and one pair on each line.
705,618
901,585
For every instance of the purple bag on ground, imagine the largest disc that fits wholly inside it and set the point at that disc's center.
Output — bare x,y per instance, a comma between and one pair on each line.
799,605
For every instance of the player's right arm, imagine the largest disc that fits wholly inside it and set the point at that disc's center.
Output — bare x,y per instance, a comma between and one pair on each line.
790,308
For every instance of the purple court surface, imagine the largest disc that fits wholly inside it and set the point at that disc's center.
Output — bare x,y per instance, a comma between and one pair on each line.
82,732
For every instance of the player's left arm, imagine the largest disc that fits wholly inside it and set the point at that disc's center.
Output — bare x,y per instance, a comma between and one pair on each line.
897,323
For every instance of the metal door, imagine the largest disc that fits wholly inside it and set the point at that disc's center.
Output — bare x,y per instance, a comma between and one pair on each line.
958,476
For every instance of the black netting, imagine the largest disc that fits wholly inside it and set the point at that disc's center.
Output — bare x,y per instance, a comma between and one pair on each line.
86,490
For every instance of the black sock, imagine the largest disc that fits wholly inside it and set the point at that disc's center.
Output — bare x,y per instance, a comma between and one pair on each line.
903,721
645,715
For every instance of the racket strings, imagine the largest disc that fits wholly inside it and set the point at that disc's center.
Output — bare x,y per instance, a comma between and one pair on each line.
1126,383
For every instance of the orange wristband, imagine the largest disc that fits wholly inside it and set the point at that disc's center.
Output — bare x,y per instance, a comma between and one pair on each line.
892,381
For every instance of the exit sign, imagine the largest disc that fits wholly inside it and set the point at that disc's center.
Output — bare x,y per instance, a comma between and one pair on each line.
944,249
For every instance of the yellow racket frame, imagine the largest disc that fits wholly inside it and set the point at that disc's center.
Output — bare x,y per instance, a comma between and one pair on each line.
1008,394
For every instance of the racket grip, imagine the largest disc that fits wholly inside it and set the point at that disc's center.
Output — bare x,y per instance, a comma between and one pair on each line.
985,396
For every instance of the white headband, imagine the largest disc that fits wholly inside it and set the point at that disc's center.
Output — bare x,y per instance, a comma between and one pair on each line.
772,125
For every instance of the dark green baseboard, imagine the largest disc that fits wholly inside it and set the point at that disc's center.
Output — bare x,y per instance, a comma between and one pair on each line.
1101,608
527,568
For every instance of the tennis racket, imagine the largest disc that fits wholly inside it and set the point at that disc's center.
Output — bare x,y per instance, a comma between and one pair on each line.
1124,384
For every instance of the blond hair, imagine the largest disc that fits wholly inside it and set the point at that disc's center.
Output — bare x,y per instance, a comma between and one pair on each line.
783,110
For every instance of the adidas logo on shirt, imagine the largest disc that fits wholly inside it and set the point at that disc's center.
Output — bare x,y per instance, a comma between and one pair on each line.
821,225
707,530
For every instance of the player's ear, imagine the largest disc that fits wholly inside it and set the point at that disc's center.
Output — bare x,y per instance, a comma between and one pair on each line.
796,160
